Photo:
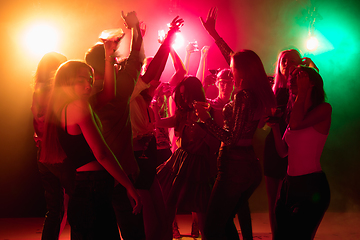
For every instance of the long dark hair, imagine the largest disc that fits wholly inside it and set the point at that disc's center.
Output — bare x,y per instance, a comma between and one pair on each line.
193,91
254,77
318,95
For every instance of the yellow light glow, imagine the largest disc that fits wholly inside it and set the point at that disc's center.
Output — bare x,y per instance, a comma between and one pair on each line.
41,38
179,41
312,44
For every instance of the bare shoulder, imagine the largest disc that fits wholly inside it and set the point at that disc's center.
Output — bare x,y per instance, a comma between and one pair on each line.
324,108
79,109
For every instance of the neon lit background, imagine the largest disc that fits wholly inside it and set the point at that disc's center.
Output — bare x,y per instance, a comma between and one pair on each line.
265,26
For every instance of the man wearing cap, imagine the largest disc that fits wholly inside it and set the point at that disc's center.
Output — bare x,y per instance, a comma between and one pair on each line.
225,84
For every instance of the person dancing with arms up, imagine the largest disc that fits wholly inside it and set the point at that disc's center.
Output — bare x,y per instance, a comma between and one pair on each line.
72,130
116,124
144,141
239,171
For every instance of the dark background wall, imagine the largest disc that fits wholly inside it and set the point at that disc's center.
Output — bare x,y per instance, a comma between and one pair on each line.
265,26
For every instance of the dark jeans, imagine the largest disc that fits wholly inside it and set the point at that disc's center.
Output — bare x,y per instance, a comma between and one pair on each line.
90,213
54,197
239,174
301,206
131,225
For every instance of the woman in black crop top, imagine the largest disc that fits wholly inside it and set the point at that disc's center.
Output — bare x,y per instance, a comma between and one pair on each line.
72,130
239,171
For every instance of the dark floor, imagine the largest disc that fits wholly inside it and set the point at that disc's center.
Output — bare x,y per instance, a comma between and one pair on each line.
335,226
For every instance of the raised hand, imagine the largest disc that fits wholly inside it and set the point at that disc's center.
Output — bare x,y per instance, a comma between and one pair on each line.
192,47
175,26
205,51
111,45
142,28
176,23
202,110
210,22
303,82
130,19
309,63
161,36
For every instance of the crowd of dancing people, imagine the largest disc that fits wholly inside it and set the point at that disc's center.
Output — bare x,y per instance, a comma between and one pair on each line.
121,152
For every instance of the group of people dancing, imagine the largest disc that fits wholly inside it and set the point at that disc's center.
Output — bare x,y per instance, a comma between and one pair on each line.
108,161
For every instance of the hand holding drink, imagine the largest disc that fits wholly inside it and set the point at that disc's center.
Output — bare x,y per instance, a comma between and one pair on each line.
202,110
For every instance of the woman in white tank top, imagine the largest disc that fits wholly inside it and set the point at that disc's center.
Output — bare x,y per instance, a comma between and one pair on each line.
305,193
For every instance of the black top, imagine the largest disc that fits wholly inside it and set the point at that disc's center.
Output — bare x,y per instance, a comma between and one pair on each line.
75,146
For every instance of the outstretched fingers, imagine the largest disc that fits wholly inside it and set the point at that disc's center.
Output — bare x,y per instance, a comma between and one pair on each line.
177,22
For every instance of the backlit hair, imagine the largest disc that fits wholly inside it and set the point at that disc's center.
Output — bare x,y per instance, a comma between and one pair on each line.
62,94
279,80
249,64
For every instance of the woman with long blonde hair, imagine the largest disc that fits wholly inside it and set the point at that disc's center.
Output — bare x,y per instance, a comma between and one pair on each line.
55,197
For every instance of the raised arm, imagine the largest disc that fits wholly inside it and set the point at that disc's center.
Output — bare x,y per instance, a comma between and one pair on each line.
180,70
129,73
190,48
142,27
157,65
200,74
209,26
300,117
309,63
132,22
82,116
109,88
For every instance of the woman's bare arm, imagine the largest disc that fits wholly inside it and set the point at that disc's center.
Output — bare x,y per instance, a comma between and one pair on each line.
80,114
